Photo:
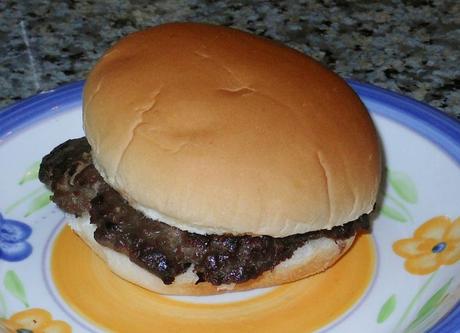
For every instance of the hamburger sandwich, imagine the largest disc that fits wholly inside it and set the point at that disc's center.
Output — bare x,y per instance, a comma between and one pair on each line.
214,160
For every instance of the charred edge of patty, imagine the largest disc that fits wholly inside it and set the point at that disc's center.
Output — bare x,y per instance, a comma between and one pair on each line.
168,251
164,250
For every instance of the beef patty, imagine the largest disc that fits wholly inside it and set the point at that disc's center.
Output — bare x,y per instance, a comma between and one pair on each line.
164,250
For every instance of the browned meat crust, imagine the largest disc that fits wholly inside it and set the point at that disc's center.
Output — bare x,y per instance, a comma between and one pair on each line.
162,249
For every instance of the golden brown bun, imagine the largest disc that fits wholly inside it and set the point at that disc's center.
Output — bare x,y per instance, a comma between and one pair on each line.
314,257
216,130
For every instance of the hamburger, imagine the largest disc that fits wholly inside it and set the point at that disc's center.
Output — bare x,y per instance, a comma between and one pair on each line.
214,160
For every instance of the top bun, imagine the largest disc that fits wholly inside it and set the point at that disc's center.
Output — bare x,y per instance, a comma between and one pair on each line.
214,130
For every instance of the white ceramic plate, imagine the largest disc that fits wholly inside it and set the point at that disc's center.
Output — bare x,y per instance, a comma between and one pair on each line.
414,284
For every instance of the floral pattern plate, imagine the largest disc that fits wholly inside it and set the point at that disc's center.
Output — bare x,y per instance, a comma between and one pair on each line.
403,278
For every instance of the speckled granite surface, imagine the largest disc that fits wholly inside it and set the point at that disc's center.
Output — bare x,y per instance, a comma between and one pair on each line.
410,46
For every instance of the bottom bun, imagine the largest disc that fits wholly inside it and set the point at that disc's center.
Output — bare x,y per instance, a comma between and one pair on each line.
314,257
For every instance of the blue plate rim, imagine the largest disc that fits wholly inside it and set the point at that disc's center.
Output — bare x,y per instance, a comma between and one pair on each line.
431,123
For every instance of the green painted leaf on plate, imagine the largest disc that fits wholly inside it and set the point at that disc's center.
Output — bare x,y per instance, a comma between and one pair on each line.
23,199
404,186
395,213
38,202
435,300
430,306
387,309
14,285
30,174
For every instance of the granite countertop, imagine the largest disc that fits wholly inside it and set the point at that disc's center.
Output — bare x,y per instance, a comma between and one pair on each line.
408,46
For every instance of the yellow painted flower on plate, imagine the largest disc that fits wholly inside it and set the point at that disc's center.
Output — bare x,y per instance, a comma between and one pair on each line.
35,321
434,243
